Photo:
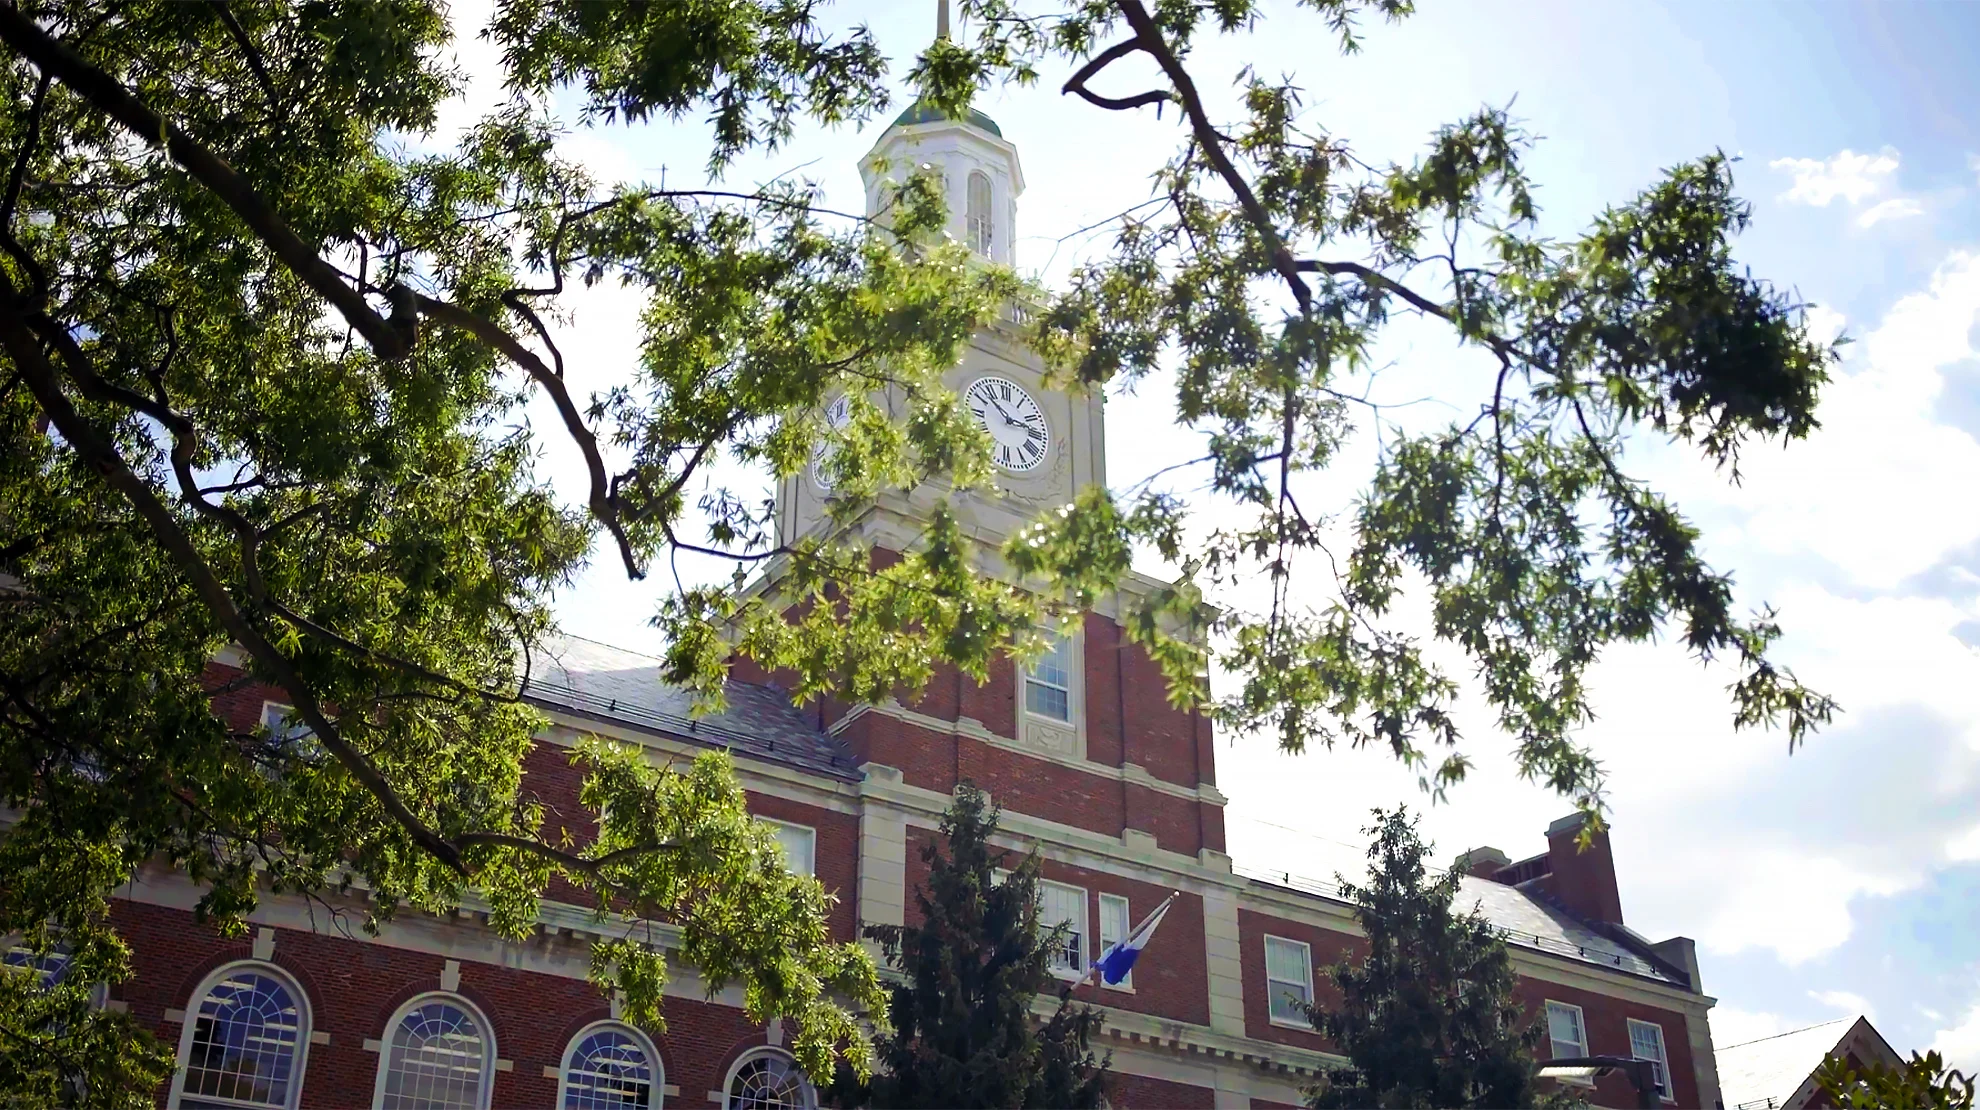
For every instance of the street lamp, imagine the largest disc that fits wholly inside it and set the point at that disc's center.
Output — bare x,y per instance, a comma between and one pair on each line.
1642,1073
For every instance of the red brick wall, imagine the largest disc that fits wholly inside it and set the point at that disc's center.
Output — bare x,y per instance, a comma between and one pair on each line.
1140,1092
1328,946
354,987
1170,978
1033,786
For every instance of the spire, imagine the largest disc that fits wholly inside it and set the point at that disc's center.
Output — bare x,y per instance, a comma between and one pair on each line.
942,19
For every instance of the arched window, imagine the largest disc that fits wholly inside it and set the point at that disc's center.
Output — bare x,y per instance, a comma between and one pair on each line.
766,1079
977,219
610,1067
246,1033
438,1055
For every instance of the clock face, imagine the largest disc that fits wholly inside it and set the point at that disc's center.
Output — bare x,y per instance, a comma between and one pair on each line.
837,412
1019,434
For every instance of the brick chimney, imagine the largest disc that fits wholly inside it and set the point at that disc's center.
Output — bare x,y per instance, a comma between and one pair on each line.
1483,863
1584,880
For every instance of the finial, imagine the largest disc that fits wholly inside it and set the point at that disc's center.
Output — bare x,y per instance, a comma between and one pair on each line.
942,19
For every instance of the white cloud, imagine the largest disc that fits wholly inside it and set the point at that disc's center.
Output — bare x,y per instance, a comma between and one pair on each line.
1960,1044
1964,848
1849,1002
1895,208
1973,163
1848,175
1866,491
1824,323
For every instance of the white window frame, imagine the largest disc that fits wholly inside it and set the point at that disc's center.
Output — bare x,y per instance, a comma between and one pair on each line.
190,1025
1079,926
658,1069
1106,938
1072,665
1272,996
1662,1059
1043,729
810,868
488,1054
727,1101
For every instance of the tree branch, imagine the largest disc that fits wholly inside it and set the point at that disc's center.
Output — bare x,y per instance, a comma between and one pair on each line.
389,339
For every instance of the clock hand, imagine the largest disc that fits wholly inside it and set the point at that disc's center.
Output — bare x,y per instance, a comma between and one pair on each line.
1005,413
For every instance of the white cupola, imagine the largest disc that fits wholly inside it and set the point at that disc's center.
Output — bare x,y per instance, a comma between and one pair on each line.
980,174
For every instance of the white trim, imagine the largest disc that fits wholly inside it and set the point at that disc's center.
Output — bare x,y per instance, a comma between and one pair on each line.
189,1024
658,1077
390,1033
1306,954
723,1097
1663,1057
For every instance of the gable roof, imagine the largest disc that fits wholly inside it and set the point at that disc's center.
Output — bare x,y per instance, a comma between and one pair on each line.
1524,918
585,678
1775,1073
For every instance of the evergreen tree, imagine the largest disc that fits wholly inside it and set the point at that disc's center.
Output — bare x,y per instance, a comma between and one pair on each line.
1427,1017
963,1031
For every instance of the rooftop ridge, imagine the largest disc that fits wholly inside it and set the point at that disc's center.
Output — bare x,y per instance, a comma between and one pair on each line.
1788,1033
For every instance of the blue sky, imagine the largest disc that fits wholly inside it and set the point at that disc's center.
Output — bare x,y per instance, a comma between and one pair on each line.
1845,878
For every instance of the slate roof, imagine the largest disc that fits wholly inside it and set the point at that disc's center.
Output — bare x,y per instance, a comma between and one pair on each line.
1763,1074
595,680
1527,920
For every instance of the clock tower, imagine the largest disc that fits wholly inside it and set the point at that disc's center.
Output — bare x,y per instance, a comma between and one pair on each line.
1047,443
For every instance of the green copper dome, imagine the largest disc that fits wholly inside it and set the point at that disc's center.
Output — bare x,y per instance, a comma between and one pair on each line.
923,112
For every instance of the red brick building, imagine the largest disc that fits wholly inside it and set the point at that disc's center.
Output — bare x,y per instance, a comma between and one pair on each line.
1091,764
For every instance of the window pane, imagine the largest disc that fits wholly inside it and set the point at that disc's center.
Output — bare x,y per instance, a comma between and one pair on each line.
799,845
770,1082
1288,978
608,1070
1059,904
977,213
1646,1042
437,1061
1286,959
1564,1027
1055,666
245,1039
1286,1000
1047,701
1113,919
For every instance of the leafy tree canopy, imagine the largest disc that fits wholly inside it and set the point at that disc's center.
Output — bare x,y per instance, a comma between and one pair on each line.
261,360
962,1029
1427,1017
1923,1081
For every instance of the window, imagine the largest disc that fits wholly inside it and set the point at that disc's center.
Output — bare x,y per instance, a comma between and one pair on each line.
1565,1029
767,1079
977,221
288,735
1048,682
1288,979
609,1067
48,969
799,843
243,1042
1646,1042
1059,904
439,1057
1114,929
